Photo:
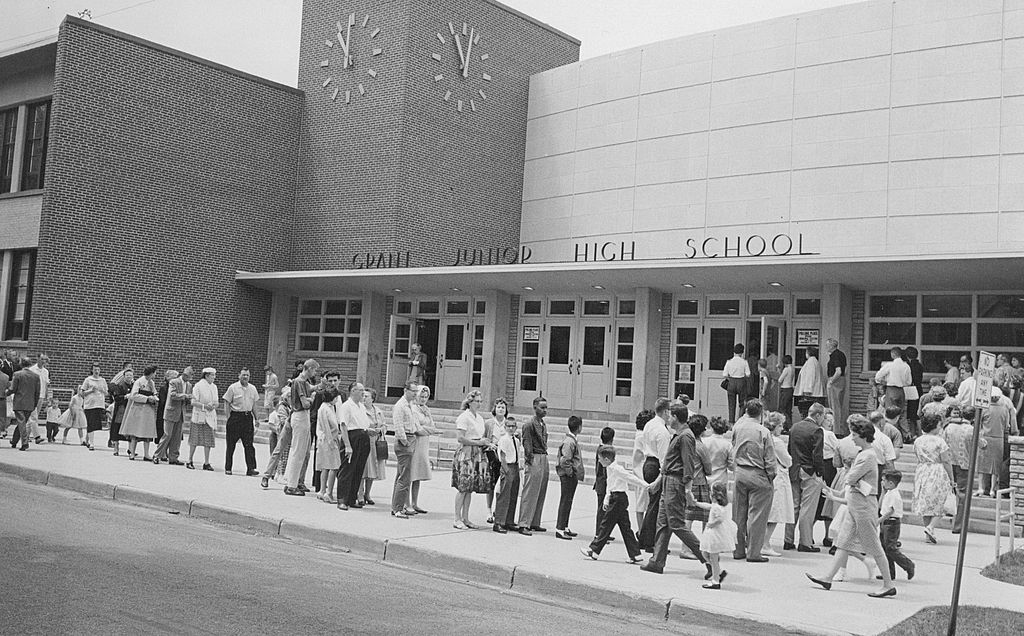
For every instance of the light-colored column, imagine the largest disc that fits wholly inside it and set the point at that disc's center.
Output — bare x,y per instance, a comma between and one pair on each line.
372,350
646,345
278,340
20,132
495,362
837,322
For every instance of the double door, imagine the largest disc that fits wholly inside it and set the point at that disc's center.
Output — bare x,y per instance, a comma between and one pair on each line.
576,363
447,345
763,338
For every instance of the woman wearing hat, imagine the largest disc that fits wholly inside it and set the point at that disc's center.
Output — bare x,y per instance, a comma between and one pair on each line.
140,416
204,418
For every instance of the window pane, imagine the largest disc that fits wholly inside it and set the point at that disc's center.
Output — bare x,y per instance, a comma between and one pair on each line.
352,345
481,307
8,130
528,383
531,349
596,307
722,341
625,334
768,306
723,307
686,335
309,325
558,345
334,325
309,343
453,342
475,380
686,354
932,360
946,334
335,307
624,352
1000,335
894,306
310,307
355,308
1000,306
529,365
458,306
531,307
563,307
404,307
624,369
686,308
478,332
354,325
623,388
430,307
627,307
808,306
593,346
876,357
946,306
335,343
893,333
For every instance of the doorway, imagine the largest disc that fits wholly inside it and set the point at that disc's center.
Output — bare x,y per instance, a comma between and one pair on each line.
576,364
719,339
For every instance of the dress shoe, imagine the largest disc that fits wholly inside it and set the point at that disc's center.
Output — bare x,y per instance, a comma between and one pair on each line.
370,502
587,552
889,592
712,586
342,506
538,529
399,514
265,483
738,556
825,584
647,567
175,462
759,559
251,473
511,527
356,505
190,466
24,447
409,512
808,548
789,546
499,529
295,492
562,535
637,560
156,460
303,488
490,519
570,533
226,472
208,467
826,542
418,510
525,532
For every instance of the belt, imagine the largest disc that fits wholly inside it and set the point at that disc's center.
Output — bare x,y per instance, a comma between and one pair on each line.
892,520
242,412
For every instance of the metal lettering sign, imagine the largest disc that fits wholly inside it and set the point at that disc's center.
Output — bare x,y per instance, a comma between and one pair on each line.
986,373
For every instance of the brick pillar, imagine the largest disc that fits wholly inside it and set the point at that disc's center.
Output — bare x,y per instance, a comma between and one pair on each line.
1017,477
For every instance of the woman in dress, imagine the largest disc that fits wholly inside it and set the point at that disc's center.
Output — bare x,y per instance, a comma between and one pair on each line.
74,418
471,471
859,532
495,425
419,468
782,510
204,418
140,417
94,394
829,469
119,390
995,422
328,449
375,462
933,479
787,380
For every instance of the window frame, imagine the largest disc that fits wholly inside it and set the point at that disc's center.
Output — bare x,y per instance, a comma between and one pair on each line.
11,295
32,144
348,335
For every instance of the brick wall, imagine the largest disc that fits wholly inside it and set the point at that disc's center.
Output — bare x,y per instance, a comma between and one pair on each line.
165,174
1017,478
860,380
398,164
664,351
511,379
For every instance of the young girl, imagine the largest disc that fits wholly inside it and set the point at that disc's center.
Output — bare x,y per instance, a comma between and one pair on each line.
719,533
328,453
74,418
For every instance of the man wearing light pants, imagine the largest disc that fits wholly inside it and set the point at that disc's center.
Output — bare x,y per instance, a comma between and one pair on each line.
405,445
179,399
806,444
302,399
535,454
755,461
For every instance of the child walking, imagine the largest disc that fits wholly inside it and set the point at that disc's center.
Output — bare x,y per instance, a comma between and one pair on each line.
52,420
601,477
570,473
889,524
615,507
719,533
74,418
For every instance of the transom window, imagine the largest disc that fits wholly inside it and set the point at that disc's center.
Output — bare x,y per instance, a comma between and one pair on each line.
330,325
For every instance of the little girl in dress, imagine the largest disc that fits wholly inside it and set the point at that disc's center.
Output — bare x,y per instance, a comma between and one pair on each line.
719,534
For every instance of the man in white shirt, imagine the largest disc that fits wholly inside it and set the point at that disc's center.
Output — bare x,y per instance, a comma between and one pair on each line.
240,400
45,395
810,384
735,375
882,445
895,376
353,417
270,386
656,440
510,454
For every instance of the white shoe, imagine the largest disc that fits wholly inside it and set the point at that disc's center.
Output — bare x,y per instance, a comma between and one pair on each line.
840,575
770,552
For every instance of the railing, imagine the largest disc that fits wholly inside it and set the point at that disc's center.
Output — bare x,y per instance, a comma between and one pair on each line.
1005,516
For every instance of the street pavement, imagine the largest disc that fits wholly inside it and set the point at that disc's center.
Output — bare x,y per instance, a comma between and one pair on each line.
766,598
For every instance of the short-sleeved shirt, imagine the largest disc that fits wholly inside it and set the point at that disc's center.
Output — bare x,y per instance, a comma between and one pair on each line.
473,425
836,360
241,399
95,399
300,389
353,415
511,447
883,448
892,502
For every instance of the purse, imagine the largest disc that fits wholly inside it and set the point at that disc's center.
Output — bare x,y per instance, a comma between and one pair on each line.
382,449
725,383
949,505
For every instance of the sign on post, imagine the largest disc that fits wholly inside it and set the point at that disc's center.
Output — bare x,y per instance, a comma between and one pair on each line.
986,374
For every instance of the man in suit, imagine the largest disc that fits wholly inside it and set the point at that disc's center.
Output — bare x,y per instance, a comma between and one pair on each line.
179,401
5,381
806,439
7,362
25,389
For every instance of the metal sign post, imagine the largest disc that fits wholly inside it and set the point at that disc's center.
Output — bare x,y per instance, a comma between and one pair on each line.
982,399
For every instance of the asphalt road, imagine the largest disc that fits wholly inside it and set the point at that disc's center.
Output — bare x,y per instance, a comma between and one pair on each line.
71,564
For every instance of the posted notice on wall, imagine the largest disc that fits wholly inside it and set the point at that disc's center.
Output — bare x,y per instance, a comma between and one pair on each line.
807,337
986,373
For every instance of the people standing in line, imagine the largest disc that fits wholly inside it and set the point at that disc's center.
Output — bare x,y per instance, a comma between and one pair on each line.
535,455
601,475
495,429
420,468
278,463
914,391
783,510
835,385
94,392
614,508
859,532
810,383
995,424
119,390
24,388
470,468
675,480
719,451
642,497
355,423
735,376
240,404
271,385
890,521
417,364
787,382
569,468
719,535
375,467
656,439
139,422
883,444
754,457
329,443
179,399
895,376
204,418
405,445
74,418
510,453
959,435
806,472
301,400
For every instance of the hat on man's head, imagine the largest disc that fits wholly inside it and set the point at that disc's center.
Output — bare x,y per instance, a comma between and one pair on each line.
209,370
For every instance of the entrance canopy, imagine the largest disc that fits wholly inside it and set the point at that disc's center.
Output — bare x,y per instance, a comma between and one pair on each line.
718,275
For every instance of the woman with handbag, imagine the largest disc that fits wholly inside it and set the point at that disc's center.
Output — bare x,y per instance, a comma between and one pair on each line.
378,448
139,421
933,478
470,469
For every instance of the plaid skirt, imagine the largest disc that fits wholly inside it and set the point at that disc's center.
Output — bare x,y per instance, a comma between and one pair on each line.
702,493
200,434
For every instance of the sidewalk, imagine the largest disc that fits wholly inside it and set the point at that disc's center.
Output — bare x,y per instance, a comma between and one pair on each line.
774,594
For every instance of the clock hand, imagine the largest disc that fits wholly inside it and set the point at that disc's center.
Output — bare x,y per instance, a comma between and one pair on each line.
345,42
462,58
469,51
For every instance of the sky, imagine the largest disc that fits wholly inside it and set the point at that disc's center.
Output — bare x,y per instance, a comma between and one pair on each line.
262,36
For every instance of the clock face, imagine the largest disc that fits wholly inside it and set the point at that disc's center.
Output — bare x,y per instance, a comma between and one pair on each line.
349,58
462,65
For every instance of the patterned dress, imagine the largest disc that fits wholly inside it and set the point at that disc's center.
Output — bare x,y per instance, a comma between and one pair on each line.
931,482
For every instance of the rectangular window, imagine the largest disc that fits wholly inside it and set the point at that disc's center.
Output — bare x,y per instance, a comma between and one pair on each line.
563,307
627,307
478,356
767,306
19,296
33,166
946,306
481,308
596,308
724,307
684,376
457,307
687,307
1001,306
403,307
532,307
8,133
528,363
331,325
893,307
430,307
624,361
808,306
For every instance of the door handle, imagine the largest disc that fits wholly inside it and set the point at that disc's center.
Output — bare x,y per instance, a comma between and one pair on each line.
577,366
440,363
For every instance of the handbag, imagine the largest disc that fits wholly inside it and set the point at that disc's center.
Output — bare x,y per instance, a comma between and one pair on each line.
725,383
382,449
949,505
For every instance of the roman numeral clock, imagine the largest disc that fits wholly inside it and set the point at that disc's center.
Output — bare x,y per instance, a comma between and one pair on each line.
462,65
350,54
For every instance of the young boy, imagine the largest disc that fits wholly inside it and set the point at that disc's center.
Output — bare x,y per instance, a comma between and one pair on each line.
889,524
891,427
570,473
52,420
615,507
510,454
601,479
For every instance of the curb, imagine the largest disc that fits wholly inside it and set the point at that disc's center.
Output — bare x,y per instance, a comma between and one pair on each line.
336,539
33,475
460,568
78,484
137,497
536,583
236,518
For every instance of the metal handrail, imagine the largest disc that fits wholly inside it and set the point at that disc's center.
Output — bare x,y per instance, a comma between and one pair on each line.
1007,516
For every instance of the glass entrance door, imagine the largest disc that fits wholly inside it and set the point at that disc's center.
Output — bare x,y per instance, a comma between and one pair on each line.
592,368
559,366
719,339
398,355
453,360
